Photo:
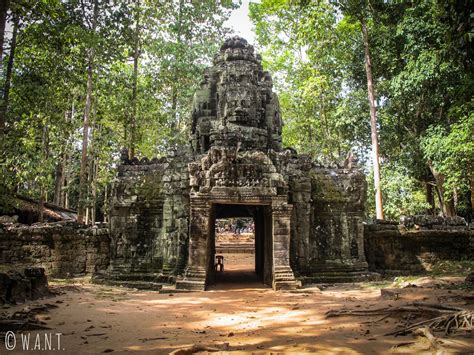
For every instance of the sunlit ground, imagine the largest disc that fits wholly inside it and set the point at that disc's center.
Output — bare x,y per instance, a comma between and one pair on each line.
234,317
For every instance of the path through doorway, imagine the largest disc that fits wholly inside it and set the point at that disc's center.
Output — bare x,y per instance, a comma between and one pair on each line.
241,236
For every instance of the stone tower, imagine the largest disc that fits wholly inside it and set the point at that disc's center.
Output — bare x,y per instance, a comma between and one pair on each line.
235,105
308,217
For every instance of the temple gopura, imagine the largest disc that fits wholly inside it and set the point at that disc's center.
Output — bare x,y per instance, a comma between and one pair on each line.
308,217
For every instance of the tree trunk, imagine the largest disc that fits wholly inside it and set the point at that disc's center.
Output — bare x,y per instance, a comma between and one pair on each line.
8,77
373,122
447,206
67,163
468,199
106,205
58,181
59,173
174,108
136,56
430,197
471,183
41,205
62,183
174,88
45,154
94,191
4,4
85,138
85,135
86,216
450,207
67,178
92,186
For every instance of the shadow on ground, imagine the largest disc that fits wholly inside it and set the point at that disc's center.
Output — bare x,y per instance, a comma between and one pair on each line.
236,280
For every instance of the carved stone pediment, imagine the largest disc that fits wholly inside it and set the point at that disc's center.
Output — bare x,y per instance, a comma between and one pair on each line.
226,167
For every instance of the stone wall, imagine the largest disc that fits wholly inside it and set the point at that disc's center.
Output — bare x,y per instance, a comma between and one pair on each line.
327,243
150,214
62,248
417,243
149,218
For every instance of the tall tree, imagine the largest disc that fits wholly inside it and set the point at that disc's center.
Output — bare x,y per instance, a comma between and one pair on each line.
8,77
373,119
4,5
307,46
430,93
87,111
136,57
420,54
44,156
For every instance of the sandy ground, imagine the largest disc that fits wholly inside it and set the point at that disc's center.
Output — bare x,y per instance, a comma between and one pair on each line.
240,314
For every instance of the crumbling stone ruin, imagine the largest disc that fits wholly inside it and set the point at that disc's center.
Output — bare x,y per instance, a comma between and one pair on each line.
62,249
308,217
20,286
417,243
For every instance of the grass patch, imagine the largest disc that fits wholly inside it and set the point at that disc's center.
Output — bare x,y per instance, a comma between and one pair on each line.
400,280
377,284
112,294
452,268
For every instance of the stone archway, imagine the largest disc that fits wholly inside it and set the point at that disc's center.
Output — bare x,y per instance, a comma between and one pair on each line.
274,220
261,216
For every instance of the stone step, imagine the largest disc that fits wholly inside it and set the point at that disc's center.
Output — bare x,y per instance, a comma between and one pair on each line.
132,276
167,289
140,285
236,244
192,285
336,277
237,250
287,277
287,285
143,277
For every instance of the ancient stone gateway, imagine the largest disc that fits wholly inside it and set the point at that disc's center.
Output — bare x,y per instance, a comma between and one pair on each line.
308,217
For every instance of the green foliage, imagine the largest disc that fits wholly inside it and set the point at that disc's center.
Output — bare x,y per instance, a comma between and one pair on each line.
451,150
306,47
176,40
430,95
422,66
402,193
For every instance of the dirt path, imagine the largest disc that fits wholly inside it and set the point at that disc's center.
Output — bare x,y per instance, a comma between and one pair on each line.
246,317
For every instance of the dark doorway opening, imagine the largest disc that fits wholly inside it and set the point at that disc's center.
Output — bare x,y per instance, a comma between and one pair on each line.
241,234
235,249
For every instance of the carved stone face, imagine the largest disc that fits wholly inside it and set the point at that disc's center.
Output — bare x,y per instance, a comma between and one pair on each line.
237,102
238,106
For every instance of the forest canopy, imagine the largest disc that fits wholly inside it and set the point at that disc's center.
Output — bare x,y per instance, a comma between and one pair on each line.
82,79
